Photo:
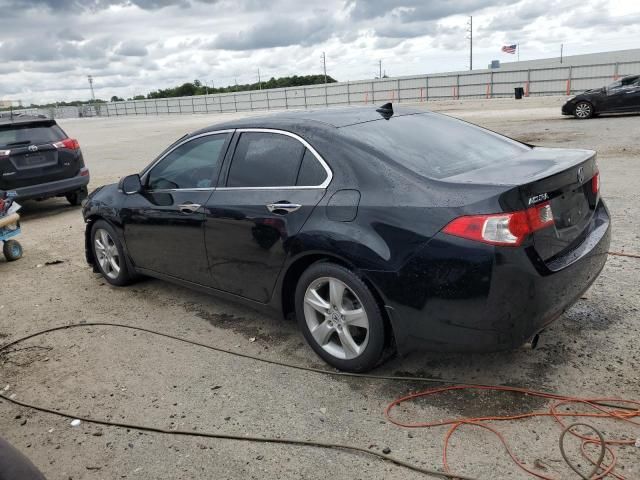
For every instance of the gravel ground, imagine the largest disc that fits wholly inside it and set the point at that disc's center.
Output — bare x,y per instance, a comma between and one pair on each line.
139,378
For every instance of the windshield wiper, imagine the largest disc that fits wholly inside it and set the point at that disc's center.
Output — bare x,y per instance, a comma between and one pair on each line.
23,142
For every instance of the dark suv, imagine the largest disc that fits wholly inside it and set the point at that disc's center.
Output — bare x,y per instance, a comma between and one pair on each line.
38,160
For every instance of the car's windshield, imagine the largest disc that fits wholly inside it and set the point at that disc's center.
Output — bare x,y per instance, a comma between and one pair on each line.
623,82
616,84
436,146
20,135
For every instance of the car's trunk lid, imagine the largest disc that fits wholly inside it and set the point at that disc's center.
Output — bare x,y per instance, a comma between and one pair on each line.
561,177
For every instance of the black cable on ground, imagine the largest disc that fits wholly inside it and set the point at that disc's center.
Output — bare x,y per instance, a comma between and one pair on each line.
288,441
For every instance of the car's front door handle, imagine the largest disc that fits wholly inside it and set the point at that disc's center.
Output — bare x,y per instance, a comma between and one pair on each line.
283,208
188,207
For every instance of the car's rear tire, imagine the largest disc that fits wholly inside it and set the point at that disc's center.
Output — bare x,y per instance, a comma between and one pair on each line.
76,197
109,255
12,250
339,317
583,110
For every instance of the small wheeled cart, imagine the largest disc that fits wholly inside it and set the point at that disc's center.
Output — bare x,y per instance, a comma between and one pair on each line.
9,226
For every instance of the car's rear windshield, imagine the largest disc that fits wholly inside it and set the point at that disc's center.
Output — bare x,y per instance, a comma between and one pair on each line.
29,134
436,146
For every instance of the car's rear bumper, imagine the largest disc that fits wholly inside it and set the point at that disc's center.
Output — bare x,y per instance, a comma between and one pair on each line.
460,295
52,189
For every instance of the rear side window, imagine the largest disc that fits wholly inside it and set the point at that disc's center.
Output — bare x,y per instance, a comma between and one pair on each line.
265,159
311,173
436,146
20,135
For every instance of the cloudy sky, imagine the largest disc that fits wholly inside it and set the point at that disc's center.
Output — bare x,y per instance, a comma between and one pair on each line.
48,47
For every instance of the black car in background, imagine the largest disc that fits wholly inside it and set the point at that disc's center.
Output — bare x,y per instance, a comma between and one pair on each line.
38,160
376,228
621,96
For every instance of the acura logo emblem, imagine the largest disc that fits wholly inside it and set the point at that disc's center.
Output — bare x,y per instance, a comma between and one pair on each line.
33,148
581,175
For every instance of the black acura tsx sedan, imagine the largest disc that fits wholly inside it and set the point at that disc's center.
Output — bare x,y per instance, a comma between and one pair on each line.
380,230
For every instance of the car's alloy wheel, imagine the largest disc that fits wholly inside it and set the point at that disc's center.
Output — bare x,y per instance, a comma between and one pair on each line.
336,319
109,254
583,110
106,253
340,317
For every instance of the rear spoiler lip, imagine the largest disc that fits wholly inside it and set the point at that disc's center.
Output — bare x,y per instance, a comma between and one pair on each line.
563,159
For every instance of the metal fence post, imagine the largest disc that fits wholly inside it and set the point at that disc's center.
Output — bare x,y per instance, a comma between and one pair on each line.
569,82
235,104
348,94
426,88
491,80
373,94
304,91
286,102
398,86
326,98
250,101
615,71
193,105
458,87
220,102
268,103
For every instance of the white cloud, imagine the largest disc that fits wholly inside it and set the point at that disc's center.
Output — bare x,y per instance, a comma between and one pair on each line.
48,47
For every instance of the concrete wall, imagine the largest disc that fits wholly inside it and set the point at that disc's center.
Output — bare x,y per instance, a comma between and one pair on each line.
537,77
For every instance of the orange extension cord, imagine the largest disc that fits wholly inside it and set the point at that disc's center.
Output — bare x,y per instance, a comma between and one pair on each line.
598,405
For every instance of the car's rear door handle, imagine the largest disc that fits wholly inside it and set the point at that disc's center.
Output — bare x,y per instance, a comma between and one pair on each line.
189,207
282,208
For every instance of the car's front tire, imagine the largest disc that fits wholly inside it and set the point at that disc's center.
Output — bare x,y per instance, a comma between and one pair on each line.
339,317
76,197
583,110
109,255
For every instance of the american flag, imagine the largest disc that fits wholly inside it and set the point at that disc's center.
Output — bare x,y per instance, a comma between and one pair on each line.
509,49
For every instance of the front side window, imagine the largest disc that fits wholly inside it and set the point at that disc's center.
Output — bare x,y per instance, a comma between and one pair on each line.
194,164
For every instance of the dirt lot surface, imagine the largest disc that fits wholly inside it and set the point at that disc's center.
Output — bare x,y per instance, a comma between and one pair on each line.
107,373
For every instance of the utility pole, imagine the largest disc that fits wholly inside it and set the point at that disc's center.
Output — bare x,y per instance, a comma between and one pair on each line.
324,66
561,48
470,25
259,82
93,95
379,68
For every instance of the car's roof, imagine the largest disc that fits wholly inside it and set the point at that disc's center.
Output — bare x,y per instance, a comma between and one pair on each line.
330,117
24,119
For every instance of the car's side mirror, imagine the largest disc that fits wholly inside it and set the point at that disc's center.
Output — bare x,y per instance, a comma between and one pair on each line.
131,184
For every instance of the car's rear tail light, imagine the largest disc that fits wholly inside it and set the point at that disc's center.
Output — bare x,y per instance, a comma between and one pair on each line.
70,143
508,229
84,172
595,183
